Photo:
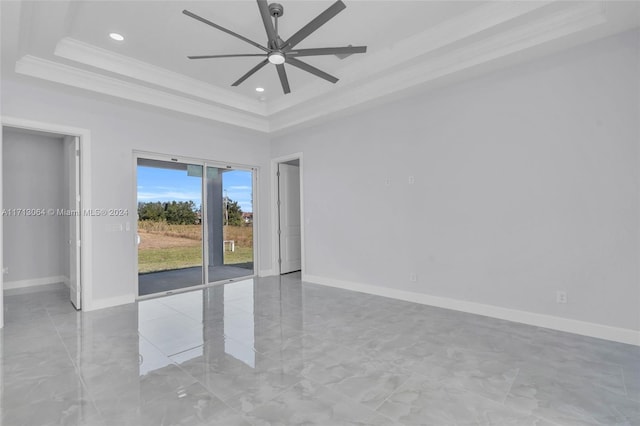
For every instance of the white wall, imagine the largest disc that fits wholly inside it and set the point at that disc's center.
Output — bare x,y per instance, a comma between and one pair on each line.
34,246
1,269
117,128
526,182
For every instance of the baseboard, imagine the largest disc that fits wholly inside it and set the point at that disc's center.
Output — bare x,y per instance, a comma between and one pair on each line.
266,273
109,302
600,331
10,285
34,289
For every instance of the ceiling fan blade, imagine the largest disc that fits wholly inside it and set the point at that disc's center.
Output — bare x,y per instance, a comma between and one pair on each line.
315,23
268,23
206,21
313,70
251,72
226,56
349,50
283,78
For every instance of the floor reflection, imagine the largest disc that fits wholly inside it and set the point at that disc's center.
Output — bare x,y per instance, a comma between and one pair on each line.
212,324
278,351
196,323
147,363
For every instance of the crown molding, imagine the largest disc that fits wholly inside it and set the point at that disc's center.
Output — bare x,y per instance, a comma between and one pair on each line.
475,40
71,76
503,44
449,32
445,34
97,57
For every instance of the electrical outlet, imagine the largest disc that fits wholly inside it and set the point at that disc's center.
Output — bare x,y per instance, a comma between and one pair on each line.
561,296
5,270
413,277
412,180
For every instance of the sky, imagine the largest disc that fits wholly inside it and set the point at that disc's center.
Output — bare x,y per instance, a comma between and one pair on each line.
155,184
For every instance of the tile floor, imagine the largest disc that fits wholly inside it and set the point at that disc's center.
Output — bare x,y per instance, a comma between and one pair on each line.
276,351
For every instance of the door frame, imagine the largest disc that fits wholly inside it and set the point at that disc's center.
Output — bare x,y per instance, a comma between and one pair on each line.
275,212
204,163
84,136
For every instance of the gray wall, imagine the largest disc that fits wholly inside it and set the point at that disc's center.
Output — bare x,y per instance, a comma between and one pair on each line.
526,182
33,175
117,129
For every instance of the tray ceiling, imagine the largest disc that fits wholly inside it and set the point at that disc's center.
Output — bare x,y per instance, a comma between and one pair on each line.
412,45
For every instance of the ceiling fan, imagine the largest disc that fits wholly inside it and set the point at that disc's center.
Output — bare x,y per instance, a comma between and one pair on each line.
278,51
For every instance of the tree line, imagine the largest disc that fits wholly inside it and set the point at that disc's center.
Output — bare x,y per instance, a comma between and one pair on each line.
186,212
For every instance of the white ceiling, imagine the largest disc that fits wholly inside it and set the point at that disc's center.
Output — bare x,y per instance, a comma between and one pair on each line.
412,45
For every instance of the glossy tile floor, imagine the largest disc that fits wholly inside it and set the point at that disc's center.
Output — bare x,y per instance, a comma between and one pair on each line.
280,352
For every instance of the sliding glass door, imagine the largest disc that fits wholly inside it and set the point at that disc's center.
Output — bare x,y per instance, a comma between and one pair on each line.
195,224
229,223
170,247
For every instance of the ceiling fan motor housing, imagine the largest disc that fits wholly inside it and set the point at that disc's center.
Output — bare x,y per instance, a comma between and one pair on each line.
278,51
276,10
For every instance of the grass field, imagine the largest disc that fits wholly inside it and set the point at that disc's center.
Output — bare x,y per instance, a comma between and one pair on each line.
165,259
165,247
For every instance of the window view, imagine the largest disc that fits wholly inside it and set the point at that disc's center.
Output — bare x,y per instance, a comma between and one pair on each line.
174,225
169,226
229,223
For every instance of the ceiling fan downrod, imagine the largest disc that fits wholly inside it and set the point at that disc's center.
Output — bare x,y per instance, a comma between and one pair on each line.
278,51
276,10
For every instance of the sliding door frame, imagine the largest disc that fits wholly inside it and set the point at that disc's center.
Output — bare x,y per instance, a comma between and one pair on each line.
137,154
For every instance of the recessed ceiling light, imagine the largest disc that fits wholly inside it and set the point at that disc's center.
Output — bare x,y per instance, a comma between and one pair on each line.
116,36
259,89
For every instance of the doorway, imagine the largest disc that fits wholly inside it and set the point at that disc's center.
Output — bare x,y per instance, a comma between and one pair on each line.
289,215
195,223
41,210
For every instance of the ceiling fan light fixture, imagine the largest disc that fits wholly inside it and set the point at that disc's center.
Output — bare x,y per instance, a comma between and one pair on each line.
276,58
279,51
